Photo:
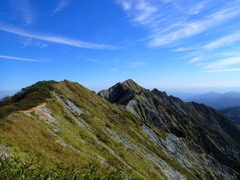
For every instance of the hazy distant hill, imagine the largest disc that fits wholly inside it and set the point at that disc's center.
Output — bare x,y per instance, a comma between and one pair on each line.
217,100
6,93
233,113
147,134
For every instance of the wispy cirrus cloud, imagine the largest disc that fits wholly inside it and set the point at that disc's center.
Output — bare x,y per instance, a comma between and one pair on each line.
181,49
228,64
24,9
60,6
210,54
189,29
55,39
221,70
29,42
174,20
217,43
223,63
20,58
141,11
223,41
214,61
192,10
195,59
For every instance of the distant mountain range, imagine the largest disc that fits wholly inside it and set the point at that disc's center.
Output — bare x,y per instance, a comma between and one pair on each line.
217,100
233,113
145,133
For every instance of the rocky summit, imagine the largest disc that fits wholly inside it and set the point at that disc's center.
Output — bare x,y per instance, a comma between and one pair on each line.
147,134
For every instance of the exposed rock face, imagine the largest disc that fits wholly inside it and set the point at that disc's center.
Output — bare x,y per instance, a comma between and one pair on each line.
121,92
147,134
197,135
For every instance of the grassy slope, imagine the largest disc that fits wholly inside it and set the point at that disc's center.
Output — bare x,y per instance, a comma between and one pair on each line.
62,139
14,168
27,98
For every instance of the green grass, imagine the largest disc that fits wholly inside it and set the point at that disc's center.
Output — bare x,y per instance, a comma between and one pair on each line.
28,133
27,98
15,168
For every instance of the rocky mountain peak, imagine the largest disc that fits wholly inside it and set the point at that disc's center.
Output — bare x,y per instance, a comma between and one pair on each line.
162,94
194,121
121,93
132,85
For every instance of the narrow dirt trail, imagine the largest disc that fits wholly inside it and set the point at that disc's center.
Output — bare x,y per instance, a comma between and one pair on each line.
35,108
38,109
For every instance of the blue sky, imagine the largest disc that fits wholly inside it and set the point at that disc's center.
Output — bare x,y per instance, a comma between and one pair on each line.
167,44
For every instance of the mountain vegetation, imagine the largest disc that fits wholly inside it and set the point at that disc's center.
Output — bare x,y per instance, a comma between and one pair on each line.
14,168
146,134
28,97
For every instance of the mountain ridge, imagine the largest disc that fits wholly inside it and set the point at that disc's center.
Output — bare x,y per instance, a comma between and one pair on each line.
179,107
147,134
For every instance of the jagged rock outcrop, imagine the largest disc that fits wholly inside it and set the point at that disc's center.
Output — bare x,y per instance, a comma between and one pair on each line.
197,135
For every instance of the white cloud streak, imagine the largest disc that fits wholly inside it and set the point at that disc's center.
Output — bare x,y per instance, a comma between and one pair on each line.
224,41
172,20
29,42
56,39
190,7
197,9
126,4
196,59
60,6
224,63
181,49
141,11
193,28
218,43
19,58
221,70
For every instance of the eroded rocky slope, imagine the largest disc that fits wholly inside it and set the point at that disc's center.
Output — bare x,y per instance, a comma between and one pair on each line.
197,136
145,133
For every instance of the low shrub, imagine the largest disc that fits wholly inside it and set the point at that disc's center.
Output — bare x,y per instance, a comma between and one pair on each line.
27,98
14,168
